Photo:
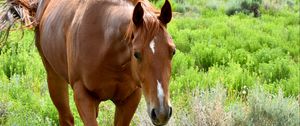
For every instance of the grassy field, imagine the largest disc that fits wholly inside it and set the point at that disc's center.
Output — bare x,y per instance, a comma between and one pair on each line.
228,70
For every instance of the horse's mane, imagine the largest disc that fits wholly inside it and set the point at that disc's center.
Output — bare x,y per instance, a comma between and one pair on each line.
151,24
14,11
22,10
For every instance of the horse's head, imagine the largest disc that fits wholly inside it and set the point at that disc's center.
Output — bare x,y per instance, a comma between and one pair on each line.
152,50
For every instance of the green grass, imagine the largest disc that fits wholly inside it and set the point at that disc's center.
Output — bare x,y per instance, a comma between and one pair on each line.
243,69
242,50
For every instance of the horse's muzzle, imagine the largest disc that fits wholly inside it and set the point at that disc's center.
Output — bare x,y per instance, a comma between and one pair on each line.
161,116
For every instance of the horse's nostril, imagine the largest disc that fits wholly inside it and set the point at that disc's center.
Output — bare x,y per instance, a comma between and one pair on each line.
170,112
153,115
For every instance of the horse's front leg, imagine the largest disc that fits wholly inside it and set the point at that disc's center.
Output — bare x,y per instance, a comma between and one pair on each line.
126,109
86,104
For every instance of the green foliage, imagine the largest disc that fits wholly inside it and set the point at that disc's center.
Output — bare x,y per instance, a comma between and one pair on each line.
24,105
15,55
238,51
209,55
242,57
179,6
181,62
275,70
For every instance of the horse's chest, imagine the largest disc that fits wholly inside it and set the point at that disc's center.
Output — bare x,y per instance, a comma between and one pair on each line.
110,85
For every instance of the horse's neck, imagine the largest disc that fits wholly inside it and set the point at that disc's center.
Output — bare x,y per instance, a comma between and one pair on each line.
42,5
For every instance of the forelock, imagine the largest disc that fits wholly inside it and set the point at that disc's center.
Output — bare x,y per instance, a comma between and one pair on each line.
151,24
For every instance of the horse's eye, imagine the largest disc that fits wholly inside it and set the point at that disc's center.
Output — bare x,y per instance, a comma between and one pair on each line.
174,52
138,55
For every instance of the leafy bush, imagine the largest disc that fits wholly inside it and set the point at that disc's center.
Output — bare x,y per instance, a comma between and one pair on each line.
291,85
184,43
209,55
275,70
241,56
265,55
236,79
15,55
25,106
181,63
189,79
180,6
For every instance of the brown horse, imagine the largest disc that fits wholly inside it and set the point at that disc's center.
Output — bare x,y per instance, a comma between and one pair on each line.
106,50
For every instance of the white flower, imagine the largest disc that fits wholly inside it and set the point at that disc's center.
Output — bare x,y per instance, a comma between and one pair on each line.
244,92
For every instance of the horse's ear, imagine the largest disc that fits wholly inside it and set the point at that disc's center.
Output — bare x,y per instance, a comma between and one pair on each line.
138,14
166,13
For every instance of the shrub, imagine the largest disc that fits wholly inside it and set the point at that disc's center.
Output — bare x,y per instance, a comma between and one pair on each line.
238,80
3,112
189,79
24,106
181,62
185,32
15,54
275,70
291,85
267,109
184,42
209,108
241,56
209,55
273,6
180,6
244,6
265,55
260,108
213,4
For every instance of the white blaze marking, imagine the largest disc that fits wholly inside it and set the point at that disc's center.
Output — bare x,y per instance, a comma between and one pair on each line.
160,94
152,46
169,103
